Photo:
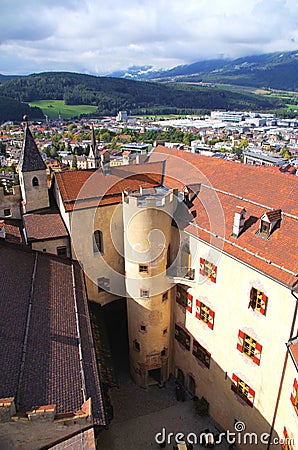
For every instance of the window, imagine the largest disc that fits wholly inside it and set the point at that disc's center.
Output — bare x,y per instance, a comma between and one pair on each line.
287,441
35,181
294,396
7,212
163,352
191,385
61,251
143,328
165,296
201,353
265,228
143,268
165,331
205,314
183,298
182,337
258,301
136,345
144,293
249,346
243,390
103,284
208,270
97,242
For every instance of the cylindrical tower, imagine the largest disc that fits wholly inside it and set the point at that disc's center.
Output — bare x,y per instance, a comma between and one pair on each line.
147,218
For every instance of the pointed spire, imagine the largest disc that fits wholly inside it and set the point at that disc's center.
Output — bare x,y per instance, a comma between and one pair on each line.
31,158
93,147
93,141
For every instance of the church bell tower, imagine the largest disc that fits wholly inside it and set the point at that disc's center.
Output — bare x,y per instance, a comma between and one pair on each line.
32,175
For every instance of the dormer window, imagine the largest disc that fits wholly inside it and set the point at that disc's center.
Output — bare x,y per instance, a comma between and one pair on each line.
264,229
268,222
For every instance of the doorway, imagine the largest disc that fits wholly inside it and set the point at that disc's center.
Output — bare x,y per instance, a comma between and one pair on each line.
154,376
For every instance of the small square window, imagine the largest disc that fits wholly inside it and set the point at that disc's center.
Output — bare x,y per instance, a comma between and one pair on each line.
165,296
103,284
144,293
165,331
201,353
243,390
61,251
163,352
143,268
208,269
258,301
143,328
136,345
7,212
249,346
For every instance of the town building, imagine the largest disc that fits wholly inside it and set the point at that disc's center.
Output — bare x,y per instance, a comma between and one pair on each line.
203,253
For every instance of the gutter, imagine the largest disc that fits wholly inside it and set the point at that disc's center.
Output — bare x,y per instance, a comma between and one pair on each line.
283,370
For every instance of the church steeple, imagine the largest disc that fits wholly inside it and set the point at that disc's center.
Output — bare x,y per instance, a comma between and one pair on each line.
30,159
32,174
93,157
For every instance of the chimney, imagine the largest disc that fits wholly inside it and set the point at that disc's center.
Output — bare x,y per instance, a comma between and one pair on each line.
2,229
105,162
239,219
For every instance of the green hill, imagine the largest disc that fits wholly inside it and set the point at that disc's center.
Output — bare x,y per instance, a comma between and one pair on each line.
113,94
14,110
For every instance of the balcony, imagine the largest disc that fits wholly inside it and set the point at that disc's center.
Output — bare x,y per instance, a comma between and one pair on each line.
180,274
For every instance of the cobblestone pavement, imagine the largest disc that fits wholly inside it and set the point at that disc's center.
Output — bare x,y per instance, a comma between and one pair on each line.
140,414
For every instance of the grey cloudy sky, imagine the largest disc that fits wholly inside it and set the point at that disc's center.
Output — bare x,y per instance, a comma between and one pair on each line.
101,36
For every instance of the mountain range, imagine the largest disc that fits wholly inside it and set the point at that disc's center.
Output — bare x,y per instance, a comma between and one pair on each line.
273,70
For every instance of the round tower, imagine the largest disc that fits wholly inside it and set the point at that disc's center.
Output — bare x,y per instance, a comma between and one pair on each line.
147,216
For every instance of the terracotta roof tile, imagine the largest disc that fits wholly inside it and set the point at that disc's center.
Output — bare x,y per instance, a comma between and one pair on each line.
86,185
44,225
226,185
52,372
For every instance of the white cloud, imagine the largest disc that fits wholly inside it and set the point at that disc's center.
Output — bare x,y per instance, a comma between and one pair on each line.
99,37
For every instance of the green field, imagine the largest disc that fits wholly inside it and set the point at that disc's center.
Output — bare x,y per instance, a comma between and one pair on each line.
54,108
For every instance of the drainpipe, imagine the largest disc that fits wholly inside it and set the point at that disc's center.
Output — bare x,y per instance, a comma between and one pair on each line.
283,370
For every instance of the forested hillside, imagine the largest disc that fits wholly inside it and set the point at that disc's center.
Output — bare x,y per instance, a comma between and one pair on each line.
112,94
11,109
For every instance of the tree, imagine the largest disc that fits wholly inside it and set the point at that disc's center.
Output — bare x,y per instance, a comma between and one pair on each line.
285,153
74,162
2,149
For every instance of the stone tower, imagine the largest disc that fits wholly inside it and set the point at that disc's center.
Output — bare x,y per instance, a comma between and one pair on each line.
32,175
147,218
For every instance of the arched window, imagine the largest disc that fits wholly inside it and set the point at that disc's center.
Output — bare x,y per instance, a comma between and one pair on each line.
97,242
35,181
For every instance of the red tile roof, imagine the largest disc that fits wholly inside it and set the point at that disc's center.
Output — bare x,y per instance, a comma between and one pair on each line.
92,185
51,374
44,226
226,185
